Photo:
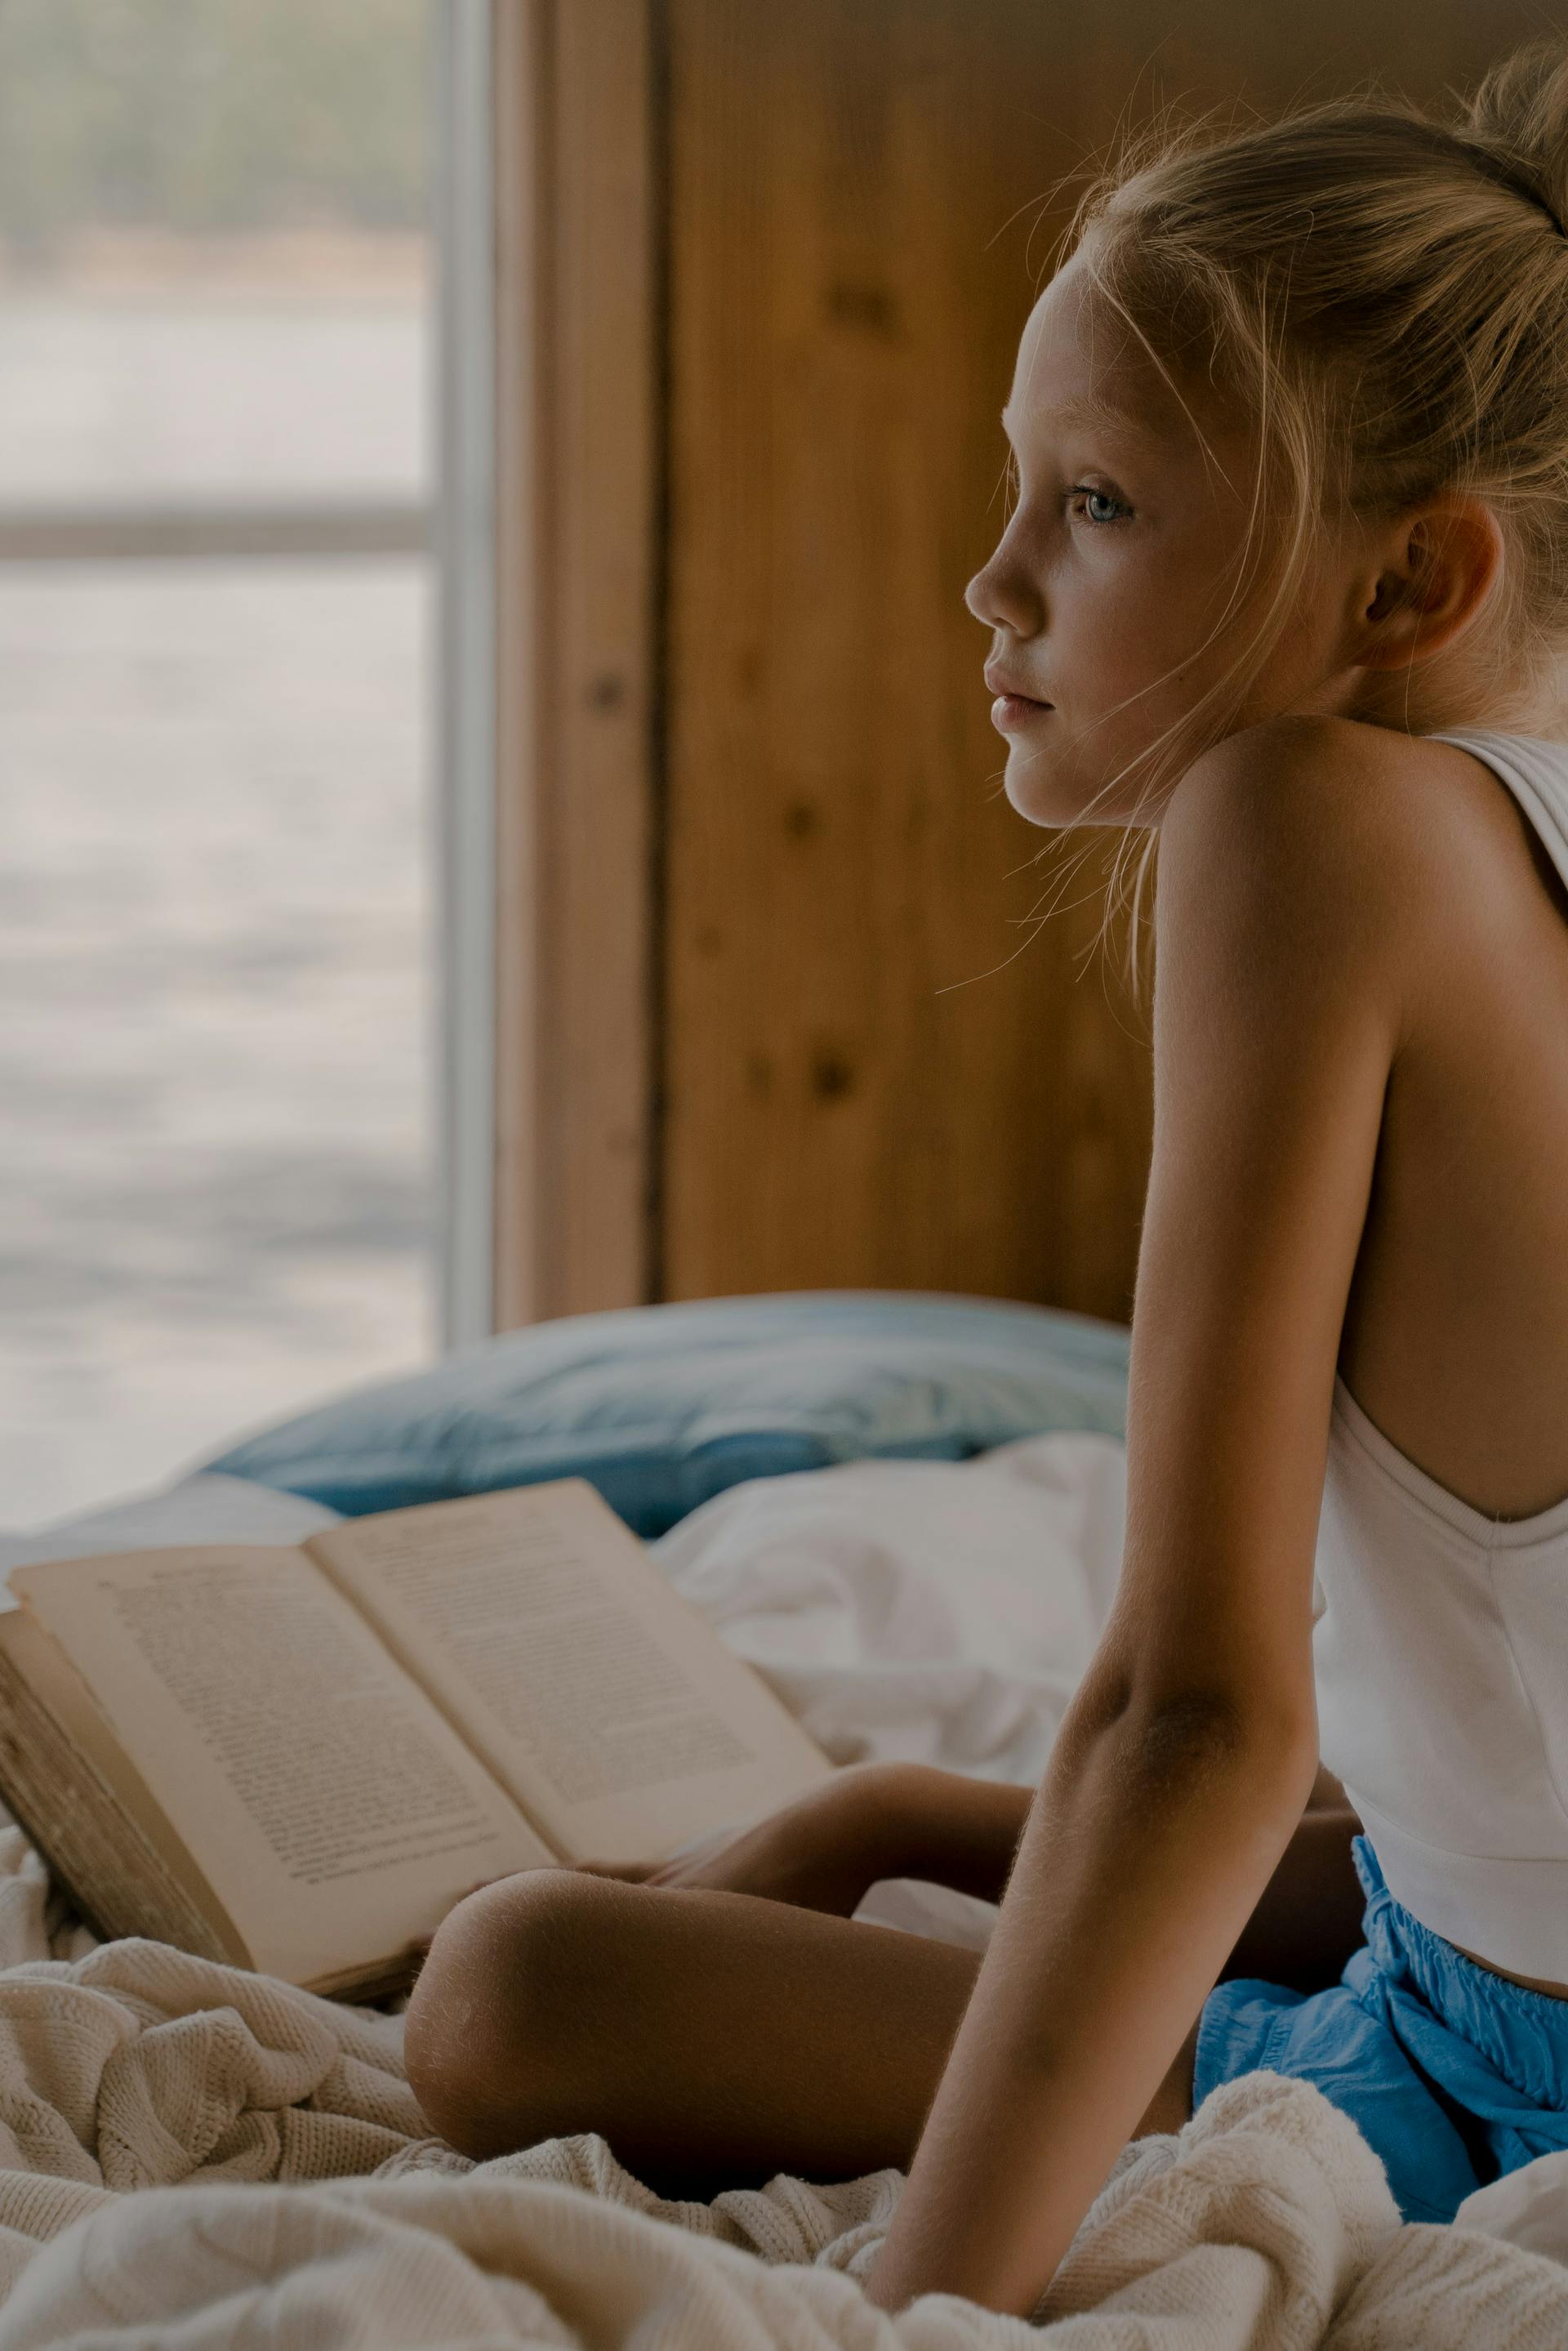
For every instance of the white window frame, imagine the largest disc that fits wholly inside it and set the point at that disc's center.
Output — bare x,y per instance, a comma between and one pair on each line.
464,703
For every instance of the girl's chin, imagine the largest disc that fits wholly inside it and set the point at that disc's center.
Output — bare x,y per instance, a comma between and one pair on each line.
1047,792
1043,797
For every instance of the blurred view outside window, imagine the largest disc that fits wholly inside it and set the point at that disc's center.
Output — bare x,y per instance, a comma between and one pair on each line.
215,890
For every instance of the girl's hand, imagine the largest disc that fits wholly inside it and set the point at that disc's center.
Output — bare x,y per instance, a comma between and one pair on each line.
821,1852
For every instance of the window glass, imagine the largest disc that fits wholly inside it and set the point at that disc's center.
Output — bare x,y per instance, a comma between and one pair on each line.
215,1034
213,224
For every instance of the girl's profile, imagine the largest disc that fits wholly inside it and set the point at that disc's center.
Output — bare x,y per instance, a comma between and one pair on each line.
1282,594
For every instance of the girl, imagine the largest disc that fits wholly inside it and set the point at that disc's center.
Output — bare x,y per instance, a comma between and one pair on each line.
1286,590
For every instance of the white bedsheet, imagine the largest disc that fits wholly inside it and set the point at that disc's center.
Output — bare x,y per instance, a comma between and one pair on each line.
941,1611
191,2155
206,1507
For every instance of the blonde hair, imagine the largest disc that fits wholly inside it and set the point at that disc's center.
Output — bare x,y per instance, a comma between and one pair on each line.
1387,295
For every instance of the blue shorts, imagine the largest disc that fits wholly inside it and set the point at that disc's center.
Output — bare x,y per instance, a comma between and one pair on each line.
1453,2075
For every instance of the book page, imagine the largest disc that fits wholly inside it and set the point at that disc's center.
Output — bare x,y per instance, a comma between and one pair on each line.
330,1806
53,1682
613,1714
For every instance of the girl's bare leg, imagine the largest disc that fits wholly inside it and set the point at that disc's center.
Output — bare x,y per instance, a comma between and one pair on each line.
713,2039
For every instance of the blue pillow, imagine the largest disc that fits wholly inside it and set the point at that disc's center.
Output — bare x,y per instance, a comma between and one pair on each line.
662,1407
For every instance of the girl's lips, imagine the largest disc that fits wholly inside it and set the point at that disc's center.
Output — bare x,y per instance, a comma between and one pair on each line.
1013,710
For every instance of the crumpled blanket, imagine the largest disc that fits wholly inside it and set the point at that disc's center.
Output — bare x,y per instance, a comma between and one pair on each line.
192,2156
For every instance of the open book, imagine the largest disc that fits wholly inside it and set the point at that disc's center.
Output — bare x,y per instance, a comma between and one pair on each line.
297,1761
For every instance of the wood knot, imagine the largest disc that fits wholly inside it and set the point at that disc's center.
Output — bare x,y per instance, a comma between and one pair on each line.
831,1075
874,309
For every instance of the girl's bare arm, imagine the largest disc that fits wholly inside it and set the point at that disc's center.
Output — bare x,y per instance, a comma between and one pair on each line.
1189,1754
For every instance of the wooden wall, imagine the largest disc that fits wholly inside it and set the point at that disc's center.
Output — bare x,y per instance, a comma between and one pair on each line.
580,419
840,1053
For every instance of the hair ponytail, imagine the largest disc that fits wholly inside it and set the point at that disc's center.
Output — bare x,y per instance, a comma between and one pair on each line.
1519,118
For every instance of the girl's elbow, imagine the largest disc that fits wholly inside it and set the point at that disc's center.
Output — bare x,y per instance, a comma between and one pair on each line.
1206,1732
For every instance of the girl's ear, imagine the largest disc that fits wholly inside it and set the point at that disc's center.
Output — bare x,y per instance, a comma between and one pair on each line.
1438,568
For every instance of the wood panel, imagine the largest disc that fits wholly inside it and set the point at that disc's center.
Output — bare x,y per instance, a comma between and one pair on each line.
864,1080
578,310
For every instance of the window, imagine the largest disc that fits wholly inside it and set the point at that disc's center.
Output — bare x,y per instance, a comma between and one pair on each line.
218,1050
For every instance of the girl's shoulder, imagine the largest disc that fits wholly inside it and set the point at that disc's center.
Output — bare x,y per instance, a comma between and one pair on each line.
1315,827
1316,770
1335,820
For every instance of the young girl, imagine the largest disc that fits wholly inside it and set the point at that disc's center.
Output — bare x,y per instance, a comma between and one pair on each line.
1285,588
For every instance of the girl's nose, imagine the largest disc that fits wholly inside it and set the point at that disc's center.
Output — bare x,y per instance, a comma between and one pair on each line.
1002,598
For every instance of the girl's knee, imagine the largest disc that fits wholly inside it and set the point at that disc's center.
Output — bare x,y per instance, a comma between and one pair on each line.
501,2016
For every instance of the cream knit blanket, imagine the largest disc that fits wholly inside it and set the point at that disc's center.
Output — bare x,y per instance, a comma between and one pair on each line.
194,2156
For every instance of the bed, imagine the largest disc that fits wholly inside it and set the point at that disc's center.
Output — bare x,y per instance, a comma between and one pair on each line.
906,1511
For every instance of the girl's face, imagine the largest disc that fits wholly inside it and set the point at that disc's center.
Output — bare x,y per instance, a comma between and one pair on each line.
1106,591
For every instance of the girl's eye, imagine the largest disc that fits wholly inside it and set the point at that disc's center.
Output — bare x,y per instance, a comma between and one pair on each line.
1099,505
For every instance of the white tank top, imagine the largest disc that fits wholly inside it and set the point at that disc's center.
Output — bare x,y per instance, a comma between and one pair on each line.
1441,1637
